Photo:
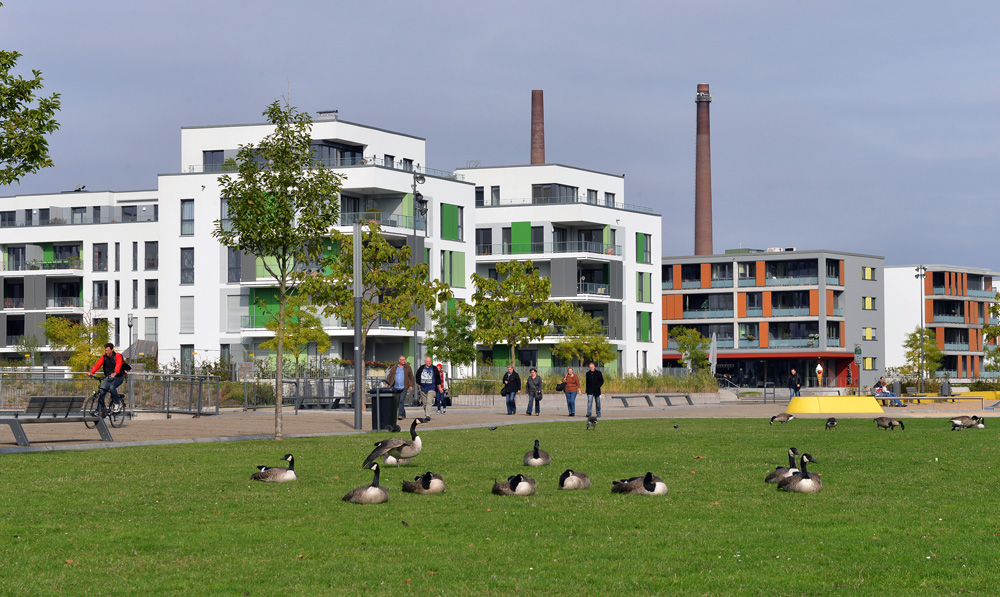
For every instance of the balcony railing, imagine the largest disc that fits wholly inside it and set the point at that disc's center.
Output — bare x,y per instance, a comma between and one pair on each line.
722,283
592,288
567,200
982,293
937,290
58,302
792,281
51,264
15,340
791,342
747,343
994,321
948,318
834,342
838,312
707,313
789,311
691,284
115,216
724,343
989,374
748,282
396,220
950,373
560,330
833,280
13,302
752,312
956,346
344,162
555,247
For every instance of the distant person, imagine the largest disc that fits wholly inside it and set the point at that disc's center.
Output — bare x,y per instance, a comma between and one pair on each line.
533,388
442,408
794,384
114,374
400,379
511,386
819,374
882,391
428,384
594,381
572,388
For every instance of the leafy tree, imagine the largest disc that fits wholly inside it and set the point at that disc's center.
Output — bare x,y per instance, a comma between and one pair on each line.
28,347
85,339
692,346
302,328
991,333
911,350
452,339
25,119
391,286
514,308
584,339
282,205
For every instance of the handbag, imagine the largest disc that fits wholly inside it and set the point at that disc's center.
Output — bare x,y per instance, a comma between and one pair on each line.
561,386
447,400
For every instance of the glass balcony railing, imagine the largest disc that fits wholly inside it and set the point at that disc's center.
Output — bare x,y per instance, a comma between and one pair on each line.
691,284
747,343
554,247
13,302
344,162
838,312
722,283
755,312
982,293
565,200
791,342
15,340
833,342
592,288
384,219
707,313
833,281
949,373
748,282
724,343
671,344
45,265
948,318
956,346
792,281
789,311
58,302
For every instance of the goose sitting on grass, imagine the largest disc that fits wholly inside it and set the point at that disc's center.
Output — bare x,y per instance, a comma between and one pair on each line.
964,422
536,457
571,479
515,485
781,472
276,474
649,484
426,483
397,447
368,494
802,481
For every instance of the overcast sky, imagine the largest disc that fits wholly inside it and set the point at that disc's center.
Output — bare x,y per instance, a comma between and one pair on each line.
866,126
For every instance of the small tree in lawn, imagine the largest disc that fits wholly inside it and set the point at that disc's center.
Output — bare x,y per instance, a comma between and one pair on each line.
84,339
392,287
692,346
584,339
28,348
282,205
302,328
452,339
931,354
514,308
991,332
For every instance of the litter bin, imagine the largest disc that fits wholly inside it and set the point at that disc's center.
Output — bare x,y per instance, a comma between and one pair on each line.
383,417
946,388
897,388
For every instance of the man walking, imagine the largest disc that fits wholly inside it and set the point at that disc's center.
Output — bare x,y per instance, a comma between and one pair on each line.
400,379
593,382
794,384
428,385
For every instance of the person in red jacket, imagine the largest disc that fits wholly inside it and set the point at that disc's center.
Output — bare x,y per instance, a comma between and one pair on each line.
114,375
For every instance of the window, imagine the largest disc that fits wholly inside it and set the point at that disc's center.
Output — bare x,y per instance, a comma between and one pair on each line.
868,334
452,227
644,291
79,215
100,257
867,273
187,359
118,295
484,241
234,265
135,256
407,165
453,268
152,296
97,217
479,196
100,294
27,217
643,321
187,266
43,216
868,363
187,315
152,255
537,238
135,294
187,217
643,251
151,329
389,161
592,196
609,199
118,335
225,353
553,193
118,257
494,195
868,303
461,223
212,160
130,213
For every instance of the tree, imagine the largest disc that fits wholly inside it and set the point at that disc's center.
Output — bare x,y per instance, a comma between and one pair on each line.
25,119
84,339
692,346
28,346
991,333
282,205
931,354
514,308
452,339
584,338
302,328
392,288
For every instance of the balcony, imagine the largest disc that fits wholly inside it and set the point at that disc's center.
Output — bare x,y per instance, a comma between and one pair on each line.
792,281
384,219
109,215
956,346
345,162
691,284
833,281
708,313
833,342
748,282
45,265
791,342
15,340
63,302
948,318
582,199
592,288
789,311
722,283
554,247
982,293
755,312
13,302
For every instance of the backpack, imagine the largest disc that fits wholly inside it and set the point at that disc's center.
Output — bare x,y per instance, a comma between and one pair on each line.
125,366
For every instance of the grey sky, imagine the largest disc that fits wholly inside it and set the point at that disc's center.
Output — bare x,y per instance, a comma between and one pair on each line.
860,126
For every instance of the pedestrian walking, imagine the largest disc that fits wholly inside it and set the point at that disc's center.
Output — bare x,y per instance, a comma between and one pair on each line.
594,379
571,387
428,385
533,387
511,386
400,379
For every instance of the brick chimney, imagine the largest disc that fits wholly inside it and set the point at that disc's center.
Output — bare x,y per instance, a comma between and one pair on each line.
537,127
703,176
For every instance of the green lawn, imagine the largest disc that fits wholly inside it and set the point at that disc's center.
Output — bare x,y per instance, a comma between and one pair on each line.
900,512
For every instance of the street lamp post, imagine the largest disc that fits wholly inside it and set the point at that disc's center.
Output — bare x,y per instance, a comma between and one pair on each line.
920,275
420,205
130,335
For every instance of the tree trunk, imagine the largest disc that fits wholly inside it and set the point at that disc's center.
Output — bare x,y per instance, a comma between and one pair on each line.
279,372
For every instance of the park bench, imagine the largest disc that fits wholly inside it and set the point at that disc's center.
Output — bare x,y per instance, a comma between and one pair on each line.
675,399
627,398
53,409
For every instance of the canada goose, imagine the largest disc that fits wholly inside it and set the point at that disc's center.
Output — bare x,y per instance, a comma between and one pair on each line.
802,481
981,423
591,422
515,485
276,474
831,423
649,484
781,472
397,447
536,457
782,418
964,422
571,479
368,494
390,460
889,423
426,483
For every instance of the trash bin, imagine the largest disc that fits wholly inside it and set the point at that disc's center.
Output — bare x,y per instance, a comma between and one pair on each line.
383,417
946,388
897,388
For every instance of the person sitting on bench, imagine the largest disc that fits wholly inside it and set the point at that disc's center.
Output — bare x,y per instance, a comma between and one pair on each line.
882,390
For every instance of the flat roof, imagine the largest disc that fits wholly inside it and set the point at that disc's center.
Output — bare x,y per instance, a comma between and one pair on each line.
314,122
768,254
540,165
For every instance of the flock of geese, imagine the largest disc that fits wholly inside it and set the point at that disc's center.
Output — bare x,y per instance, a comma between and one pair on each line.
400,451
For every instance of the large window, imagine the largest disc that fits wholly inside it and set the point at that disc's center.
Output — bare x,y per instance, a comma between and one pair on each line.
480,199
152,255
212,160
151,329
79,215
609,199
186,315
187,217
100,294
494,195
118,257
234,264
187,266
553,193
130,213
152,294
8,219
643,250
100,257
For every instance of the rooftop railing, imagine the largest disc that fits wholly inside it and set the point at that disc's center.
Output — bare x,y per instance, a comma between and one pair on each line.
566,200
117,217
343,162
43,264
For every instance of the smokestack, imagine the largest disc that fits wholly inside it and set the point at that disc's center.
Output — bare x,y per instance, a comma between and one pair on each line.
537,127
703,176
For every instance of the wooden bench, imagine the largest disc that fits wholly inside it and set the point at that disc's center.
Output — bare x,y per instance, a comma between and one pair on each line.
53,409
625,398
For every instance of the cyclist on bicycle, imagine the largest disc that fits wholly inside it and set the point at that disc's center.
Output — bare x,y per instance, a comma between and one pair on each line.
114,374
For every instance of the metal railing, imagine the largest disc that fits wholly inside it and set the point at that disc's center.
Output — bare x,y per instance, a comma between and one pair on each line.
792,281
115,217
13,302
55,302
343,162
45,265
385,219
551,247
592,288
707,313
566,200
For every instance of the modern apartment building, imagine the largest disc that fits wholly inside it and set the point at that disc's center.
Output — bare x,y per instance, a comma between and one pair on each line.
951,301
598,251
779,309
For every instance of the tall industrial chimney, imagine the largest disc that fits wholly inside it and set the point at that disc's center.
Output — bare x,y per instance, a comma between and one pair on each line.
537,127
703,176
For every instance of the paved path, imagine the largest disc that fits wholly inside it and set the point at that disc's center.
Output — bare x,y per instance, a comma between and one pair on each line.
237,424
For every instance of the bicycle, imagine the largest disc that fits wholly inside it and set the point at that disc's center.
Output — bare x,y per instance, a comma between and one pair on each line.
94,403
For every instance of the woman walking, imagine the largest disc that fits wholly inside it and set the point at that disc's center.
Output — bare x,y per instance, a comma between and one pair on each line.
511,386
533,387
571,389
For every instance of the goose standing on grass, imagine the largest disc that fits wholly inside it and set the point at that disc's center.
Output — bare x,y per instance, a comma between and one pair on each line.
397,447
368,494
889,423
781,472
649,484
571,479
964,422
782,418
426,483
831,423
802,481
515,485
536,457
276,474
591,422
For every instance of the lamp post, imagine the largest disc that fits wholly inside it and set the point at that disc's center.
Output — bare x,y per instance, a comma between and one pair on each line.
130,322
920,275
419,205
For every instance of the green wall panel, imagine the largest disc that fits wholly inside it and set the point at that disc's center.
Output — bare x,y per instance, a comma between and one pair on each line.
520,237
449,221
458,269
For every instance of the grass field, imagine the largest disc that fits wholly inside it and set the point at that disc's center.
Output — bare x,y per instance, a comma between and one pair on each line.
901,512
